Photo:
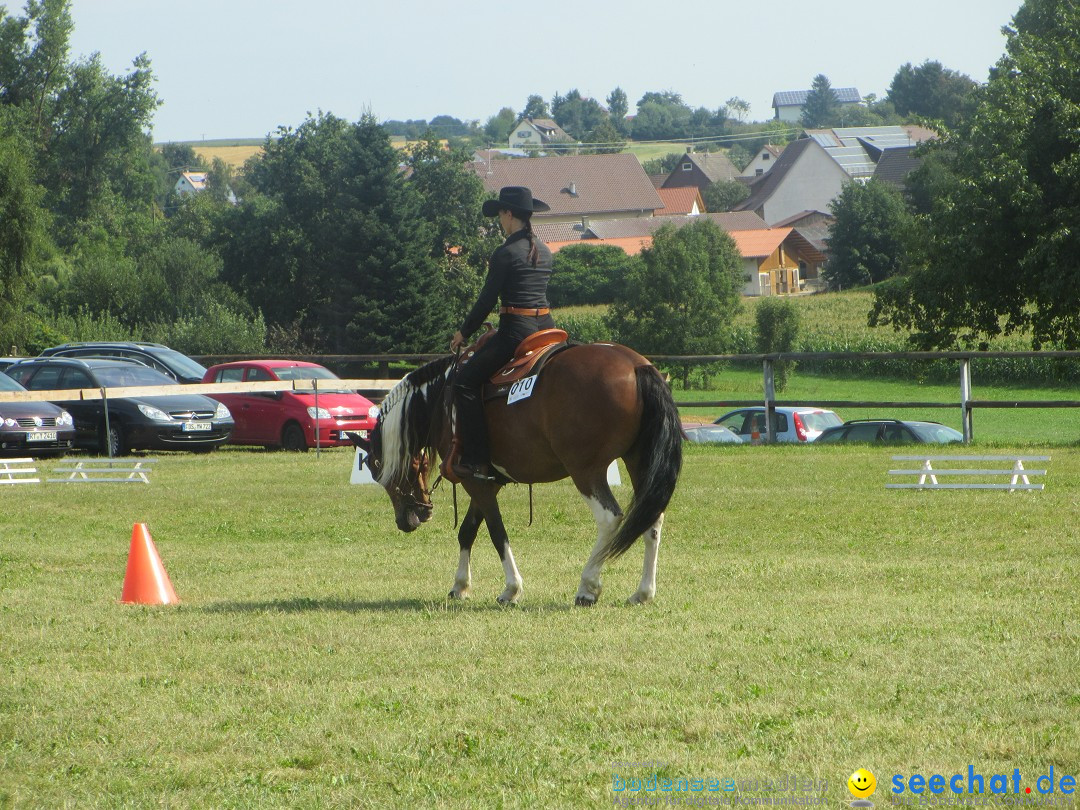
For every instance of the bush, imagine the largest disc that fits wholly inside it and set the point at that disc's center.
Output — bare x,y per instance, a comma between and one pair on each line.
586,274
777,325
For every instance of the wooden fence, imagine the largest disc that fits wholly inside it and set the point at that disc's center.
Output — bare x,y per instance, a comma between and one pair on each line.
385,363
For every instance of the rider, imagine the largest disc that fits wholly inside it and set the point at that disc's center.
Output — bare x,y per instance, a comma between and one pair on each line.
518,274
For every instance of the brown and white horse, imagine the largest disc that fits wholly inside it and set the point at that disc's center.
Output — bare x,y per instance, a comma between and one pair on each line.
592,404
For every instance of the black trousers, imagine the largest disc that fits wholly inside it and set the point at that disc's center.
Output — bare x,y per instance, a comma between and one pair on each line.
469,385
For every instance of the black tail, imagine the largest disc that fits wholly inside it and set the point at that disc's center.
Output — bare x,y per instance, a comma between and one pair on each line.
659,448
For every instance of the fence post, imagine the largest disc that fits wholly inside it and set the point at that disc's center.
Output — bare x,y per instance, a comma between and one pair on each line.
965,399
108,437
770,400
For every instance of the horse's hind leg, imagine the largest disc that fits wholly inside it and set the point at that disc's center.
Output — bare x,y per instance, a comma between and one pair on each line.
608,516
470,525
647,589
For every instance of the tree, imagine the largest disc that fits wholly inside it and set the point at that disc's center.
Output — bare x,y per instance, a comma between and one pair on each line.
498,127
604,133
869,240
932,91
1003,253
618,106
724,195
821,109
586,274
535,107
451,198
22,220
661,115
577,115
776,322
683,296
333,238
737,108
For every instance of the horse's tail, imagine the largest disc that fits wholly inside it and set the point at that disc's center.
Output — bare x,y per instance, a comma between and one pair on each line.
659,449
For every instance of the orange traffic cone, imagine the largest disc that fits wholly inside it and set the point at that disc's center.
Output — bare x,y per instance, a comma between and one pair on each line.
146,582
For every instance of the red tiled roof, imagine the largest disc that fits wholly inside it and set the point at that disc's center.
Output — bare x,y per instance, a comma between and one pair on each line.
680,200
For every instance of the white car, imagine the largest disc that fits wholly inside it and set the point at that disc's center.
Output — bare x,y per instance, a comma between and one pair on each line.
789,425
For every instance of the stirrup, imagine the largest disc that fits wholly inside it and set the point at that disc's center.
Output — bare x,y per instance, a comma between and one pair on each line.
477,472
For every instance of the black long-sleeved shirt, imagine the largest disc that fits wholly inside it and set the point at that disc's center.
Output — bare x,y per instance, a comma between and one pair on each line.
512,280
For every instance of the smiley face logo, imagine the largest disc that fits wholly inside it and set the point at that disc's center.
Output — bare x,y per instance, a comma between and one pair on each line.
861,783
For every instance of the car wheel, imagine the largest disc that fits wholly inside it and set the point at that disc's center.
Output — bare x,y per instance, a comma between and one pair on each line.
292,438
115,443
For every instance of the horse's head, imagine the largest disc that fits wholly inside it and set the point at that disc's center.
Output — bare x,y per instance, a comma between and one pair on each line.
404,479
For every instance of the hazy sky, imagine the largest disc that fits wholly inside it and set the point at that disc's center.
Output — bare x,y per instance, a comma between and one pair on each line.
241,68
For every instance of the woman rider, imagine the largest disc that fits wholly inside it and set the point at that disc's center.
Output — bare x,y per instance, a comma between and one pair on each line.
518,274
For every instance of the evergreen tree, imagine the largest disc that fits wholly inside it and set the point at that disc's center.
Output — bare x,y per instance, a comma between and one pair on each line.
821,109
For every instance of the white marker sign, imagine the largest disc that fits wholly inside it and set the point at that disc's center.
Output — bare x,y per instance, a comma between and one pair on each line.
522,389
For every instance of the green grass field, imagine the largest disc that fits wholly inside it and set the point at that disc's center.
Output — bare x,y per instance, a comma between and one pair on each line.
808,622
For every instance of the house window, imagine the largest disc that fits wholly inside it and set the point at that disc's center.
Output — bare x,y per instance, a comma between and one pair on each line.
758,172
686,167
764,155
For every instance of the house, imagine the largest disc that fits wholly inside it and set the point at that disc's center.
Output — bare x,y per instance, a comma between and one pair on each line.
895,164
701,169
788,104
190,183
814,227
633,234
535,133
857,149
773,260
681,201
576,186
803,178
764,160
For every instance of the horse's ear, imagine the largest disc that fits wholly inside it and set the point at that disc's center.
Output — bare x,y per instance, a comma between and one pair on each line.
361,442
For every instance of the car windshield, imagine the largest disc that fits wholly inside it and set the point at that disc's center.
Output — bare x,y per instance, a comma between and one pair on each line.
936,433
128,376
8,384
181,363
819,420
311,373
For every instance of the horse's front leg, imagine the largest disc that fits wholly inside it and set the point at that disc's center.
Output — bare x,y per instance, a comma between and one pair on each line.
470,525
512,592
608,516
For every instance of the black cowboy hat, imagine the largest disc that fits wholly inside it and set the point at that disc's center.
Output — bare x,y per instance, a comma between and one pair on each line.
517,199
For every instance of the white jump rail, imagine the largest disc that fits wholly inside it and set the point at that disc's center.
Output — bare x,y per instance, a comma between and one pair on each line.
105,471
18,471
1018,474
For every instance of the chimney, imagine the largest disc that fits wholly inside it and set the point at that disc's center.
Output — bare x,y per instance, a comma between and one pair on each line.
573,189
584,223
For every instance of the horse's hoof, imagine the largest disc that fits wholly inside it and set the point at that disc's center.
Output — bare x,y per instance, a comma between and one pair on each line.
505,602
639,598
459,596
584,601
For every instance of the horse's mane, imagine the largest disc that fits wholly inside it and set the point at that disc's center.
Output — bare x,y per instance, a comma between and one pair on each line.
406,418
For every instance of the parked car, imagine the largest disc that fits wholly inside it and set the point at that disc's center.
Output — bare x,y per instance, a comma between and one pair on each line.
710,434
789,425
289,419
33,428
168,361
7,361
159,422
891,430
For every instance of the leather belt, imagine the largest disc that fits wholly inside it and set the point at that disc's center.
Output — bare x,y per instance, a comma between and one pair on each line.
535,312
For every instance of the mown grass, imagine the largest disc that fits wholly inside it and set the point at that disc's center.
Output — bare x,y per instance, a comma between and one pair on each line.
808,622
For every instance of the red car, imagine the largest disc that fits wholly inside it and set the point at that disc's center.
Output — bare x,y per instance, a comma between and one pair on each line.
288,419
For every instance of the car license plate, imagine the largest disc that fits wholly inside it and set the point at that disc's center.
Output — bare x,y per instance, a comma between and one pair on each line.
41,436
190,427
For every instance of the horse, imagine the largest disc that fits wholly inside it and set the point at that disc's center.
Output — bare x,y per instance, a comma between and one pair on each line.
591,404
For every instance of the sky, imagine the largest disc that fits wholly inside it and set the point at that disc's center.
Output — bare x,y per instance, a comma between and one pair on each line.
242,68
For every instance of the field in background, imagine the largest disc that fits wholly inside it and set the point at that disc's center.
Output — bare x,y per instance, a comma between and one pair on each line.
233,154
808,622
